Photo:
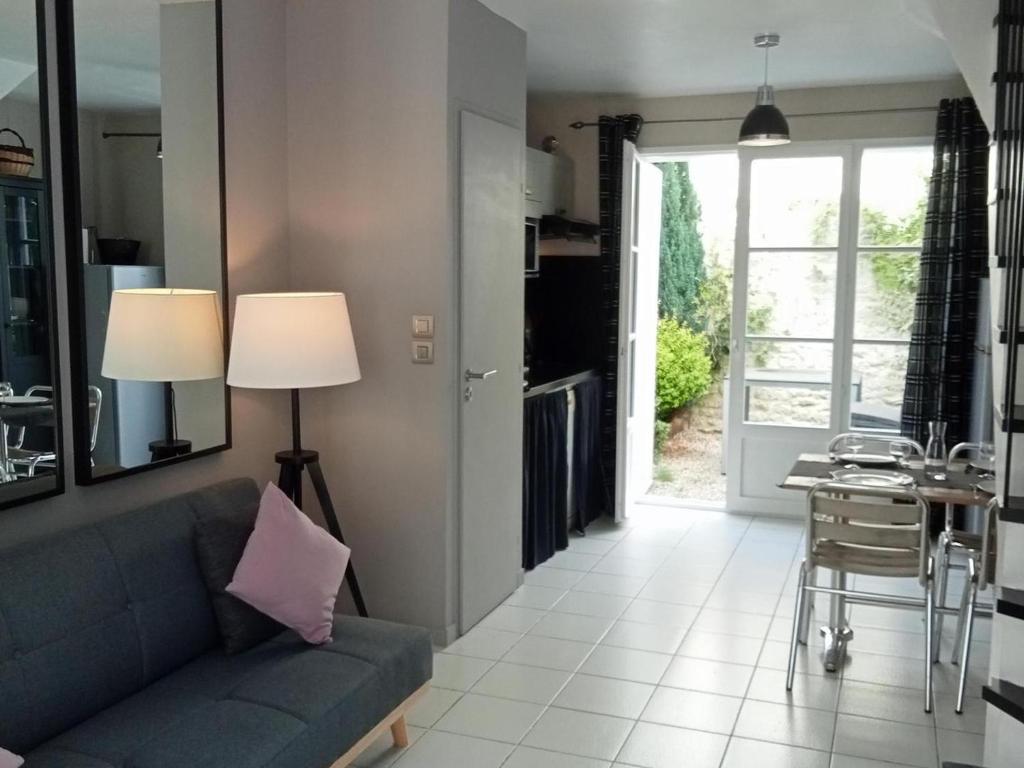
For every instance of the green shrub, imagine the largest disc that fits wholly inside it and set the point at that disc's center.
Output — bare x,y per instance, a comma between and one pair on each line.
661,432
683,367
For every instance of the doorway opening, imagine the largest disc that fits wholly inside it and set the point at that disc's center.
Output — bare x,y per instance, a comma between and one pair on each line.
698,225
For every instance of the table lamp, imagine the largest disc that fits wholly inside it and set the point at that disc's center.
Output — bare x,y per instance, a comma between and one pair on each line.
164,335
296,341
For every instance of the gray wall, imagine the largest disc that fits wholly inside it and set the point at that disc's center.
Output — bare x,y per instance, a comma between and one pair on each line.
367,133
254,58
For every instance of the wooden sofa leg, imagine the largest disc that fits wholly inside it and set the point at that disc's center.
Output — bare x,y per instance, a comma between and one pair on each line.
399,733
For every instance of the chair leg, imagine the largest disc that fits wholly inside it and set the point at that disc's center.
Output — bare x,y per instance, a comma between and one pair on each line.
808,604
970,599
929,625
942,582
964,597
798,620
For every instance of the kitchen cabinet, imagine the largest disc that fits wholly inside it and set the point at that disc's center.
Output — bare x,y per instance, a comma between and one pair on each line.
549,184
24,274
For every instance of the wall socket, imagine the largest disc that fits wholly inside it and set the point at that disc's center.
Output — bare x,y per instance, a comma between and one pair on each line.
423,326
423,352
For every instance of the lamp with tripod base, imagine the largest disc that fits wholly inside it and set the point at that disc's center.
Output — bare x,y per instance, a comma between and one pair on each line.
297,341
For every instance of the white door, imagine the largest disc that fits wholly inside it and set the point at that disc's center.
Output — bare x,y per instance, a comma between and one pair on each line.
490,365
638,321
789,310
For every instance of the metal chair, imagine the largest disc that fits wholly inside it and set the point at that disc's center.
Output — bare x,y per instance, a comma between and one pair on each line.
854,529
881,442
980,573
31,459
950,541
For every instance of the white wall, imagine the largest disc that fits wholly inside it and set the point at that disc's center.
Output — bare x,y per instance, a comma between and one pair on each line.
552,114
967,27
254,59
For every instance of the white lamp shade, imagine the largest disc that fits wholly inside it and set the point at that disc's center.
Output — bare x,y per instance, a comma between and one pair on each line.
292,341
164,334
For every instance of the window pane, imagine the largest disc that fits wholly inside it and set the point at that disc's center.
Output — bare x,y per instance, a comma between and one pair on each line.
876,396
794,202
894,195
886,295
788,383
791,294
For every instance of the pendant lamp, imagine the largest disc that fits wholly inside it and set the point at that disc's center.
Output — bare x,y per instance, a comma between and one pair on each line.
765,126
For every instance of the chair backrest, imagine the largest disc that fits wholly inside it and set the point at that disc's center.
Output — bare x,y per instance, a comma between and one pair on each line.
878,443
95,404
874,531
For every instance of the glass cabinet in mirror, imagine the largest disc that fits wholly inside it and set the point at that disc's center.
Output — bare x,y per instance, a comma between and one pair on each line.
142,139
30,444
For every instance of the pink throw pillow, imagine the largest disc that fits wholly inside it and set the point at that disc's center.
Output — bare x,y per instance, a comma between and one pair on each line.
9,760
291,569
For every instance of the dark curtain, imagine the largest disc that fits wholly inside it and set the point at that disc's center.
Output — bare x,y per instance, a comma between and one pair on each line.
545,477
589,499
940,369
612,131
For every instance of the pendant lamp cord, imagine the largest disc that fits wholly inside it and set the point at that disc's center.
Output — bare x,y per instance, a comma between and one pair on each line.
766,49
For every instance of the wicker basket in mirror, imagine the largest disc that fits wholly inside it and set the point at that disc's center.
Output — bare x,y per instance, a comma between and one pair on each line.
15,160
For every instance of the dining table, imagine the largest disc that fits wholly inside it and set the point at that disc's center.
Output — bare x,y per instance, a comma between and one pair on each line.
963,484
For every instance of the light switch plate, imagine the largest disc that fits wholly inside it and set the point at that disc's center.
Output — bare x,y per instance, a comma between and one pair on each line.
423,352
423,326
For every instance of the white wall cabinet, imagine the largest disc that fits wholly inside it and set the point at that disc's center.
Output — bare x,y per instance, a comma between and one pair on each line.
549,184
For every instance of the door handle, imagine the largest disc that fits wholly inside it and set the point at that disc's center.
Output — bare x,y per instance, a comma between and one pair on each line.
480,375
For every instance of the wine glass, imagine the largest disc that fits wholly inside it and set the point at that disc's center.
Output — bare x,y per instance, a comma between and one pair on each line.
854,444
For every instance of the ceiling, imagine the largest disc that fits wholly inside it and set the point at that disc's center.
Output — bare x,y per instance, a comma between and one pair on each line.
655,48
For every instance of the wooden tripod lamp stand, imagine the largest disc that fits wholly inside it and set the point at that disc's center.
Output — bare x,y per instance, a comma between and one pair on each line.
297,341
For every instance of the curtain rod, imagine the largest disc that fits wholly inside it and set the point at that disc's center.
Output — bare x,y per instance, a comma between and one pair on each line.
579,124
129,135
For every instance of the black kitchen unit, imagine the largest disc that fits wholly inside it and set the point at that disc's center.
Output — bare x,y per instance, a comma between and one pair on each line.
563,485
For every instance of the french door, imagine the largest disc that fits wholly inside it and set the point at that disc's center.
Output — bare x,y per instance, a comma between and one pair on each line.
638,323
827,241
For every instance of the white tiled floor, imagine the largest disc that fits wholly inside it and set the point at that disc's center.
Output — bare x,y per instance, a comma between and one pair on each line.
662,644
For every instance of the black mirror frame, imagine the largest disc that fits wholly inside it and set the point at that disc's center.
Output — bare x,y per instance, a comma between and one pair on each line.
68,100
51,282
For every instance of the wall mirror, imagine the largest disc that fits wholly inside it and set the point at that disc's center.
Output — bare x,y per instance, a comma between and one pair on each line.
30,442
142,146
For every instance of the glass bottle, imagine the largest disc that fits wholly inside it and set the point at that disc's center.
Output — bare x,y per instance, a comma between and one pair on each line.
935,454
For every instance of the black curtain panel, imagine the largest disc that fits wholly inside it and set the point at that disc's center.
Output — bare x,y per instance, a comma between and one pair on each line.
589,500
545,477
954,258
612,131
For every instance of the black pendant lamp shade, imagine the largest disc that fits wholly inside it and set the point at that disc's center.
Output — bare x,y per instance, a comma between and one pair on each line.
765,125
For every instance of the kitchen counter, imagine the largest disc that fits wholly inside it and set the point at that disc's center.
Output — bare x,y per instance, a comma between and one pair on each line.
564,382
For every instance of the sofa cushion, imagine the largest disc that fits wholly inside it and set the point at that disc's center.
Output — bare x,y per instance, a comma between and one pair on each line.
221,534
91,616
283,704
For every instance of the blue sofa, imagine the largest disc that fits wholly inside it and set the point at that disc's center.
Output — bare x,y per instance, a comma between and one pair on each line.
110,656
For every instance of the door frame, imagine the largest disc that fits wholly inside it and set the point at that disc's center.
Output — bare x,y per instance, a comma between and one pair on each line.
847,249
680,154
